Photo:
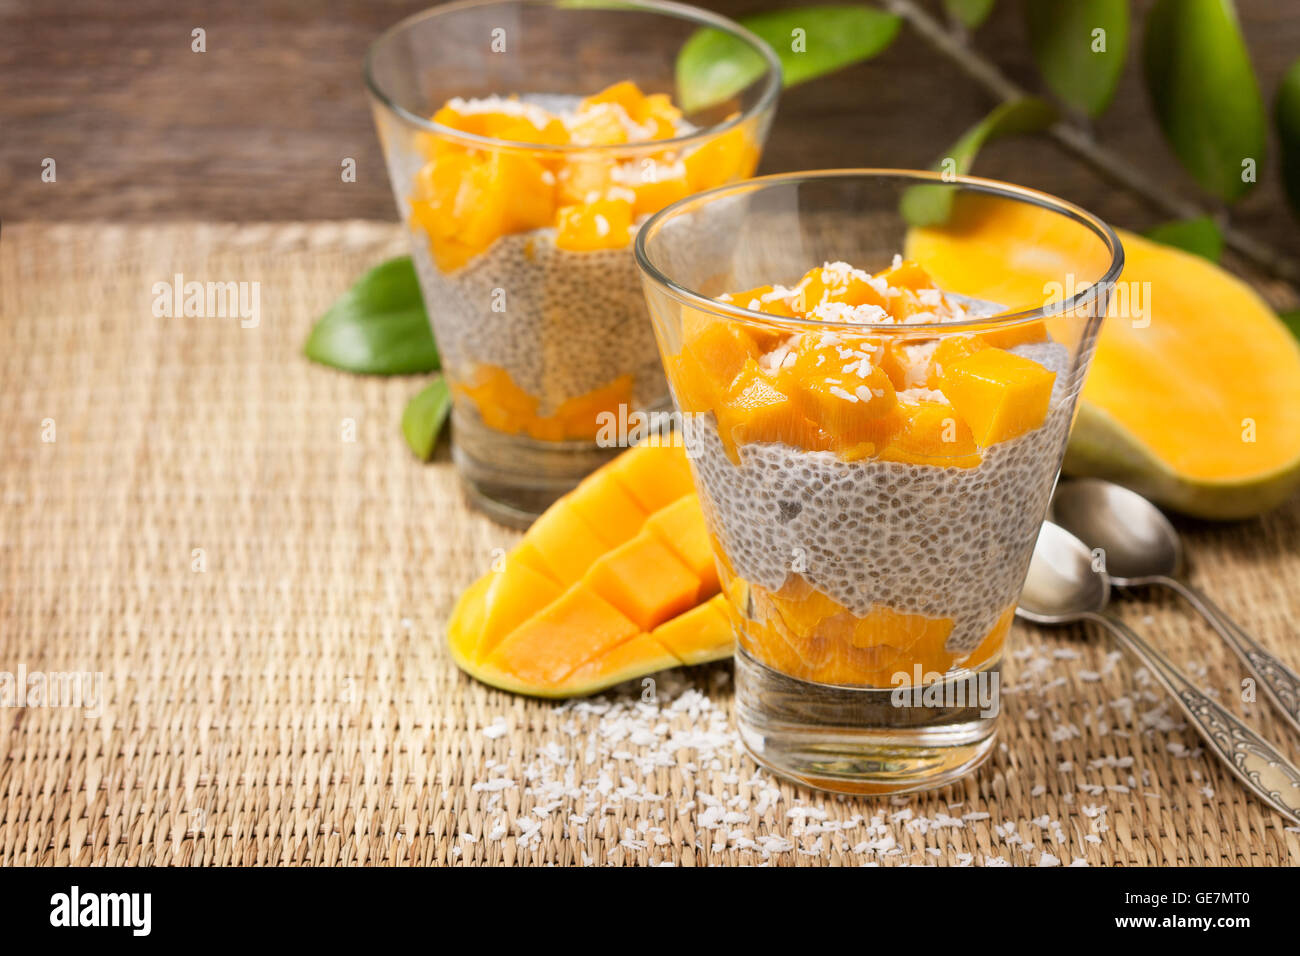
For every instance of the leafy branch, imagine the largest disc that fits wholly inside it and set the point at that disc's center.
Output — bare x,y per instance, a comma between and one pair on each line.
1196,68
1080,141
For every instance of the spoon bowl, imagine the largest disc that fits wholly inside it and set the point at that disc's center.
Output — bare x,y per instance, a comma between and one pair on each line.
1138,542
1061,585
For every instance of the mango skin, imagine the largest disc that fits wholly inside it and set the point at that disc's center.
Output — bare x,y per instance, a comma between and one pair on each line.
1101,448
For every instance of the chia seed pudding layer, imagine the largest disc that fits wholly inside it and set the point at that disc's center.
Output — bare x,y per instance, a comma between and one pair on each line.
568,322
945,542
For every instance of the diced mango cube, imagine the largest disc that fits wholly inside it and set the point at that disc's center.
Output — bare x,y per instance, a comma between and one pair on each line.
821,285
625,93
582,179
952,348
480,209
713,353
603,504
999,394
475,123
702,634
602,124
552,644
520,129
848,400
932,434
1007,337
514,594
724,158
635,658
755,409
528,188
906,275
657,185
602,224
655,475
561,544
836,385
658,110
681,526
908,360
645,581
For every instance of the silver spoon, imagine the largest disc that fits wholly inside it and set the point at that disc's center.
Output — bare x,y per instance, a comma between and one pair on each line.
1063,587
1139,546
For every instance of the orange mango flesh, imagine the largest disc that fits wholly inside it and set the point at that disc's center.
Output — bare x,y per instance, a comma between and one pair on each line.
932,433
562,636
467,197
681,526
512,596
1193,397
802,632
999,394
646,579
657,489
616,580
605,505
696,636
504,406
840,391
602,224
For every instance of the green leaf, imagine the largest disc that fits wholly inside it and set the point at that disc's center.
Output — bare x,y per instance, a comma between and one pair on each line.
971,13
1292,321
378,327
424,417
1200,236
1204,92
1287,114
1079,46
810,41
931,205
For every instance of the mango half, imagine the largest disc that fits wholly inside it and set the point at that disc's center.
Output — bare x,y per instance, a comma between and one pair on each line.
615,581
1193,398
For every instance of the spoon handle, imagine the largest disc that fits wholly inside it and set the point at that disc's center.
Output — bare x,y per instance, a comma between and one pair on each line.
1254,761
1281,684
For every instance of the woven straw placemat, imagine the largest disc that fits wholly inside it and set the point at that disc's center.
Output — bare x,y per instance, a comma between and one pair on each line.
239,544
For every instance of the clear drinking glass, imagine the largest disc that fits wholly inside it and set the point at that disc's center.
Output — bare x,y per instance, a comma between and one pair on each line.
522,239
874,488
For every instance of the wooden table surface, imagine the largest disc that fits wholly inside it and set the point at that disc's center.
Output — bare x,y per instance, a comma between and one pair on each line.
142,128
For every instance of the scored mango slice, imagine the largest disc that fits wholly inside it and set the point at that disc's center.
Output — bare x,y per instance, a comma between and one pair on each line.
646,580
696,636
563,636
680,525
615,581
512,596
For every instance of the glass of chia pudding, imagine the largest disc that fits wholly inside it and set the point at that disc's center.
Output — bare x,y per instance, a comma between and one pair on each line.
526,142
874,449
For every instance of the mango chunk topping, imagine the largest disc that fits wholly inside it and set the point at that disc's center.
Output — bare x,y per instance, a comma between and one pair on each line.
469,195
1001,395
860,392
